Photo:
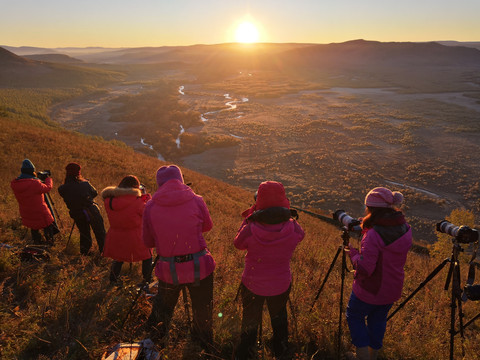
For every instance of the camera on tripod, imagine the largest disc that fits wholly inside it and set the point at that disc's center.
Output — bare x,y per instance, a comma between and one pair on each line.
350,223
42,175
463,234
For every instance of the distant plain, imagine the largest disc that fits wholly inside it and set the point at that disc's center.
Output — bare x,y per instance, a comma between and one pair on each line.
328,129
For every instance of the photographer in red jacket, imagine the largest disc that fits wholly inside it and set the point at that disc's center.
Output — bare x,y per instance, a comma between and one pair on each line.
30,193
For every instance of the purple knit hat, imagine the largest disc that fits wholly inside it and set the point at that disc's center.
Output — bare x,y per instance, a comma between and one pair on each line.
170,172
383,198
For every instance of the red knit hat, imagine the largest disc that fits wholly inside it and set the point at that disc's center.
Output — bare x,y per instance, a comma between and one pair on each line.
73,169
271,194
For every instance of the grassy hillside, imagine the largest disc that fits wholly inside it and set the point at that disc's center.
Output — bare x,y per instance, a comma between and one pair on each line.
65,309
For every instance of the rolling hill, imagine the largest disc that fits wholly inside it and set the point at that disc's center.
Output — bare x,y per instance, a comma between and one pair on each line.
19,72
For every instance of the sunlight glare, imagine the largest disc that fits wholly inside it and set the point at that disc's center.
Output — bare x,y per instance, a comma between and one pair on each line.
246,33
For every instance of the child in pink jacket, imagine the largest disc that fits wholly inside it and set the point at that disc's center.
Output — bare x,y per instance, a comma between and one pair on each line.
270,235
173,223
379,270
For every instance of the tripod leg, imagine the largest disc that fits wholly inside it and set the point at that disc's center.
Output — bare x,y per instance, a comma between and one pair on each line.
427,279
340,248
339,339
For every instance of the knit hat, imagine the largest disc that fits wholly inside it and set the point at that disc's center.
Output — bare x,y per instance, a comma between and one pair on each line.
73,169
271,194
129,181
383,198
170,172
27,167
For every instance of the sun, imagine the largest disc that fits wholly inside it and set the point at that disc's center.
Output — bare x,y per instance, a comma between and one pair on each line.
246,33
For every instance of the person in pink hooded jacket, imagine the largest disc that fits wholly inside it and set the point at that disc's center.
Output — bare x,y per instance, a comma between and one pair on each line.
125,205
30,193
173,223
379,272
270,235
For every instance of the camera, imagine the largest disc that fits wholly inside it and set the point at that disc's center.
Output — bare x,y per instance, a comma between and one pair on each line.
142,189
42,175
472,292
350,223
463,234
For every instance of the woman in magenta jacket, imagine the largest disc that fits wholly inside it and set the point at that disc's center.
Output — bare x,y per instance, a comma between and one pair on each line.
173,223
270,235
379,270
30,191
125,205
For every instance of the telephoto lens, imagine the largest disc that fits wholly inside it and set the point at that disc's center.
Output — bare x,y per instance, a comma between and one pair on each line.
351,224
462,234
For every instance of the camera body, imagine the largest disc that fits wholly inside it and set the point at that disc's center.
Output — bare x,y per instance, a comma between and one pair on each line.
42,175
472,292
142,189
463,234
350,223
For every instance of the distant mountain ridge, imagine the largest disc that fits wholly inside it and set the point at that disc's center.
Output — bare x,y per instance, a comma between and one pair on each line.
54,58
17,71
367,50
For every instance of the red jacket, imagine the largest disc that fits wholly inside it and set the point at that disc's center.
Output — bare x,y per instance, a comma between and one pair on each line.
124,208
33,208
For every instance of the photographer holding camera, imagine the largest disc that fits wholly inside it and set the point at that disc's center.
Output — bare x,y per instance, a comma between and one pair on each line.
125,204
270,235
30,190
78,194
379,272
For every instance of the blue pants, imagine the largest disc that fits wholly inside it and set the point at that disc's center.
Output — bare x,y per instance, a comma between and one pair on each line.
371,332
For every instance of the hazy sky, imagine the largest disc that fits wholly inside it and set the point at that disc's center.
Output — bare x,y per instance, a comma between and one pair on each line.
133,23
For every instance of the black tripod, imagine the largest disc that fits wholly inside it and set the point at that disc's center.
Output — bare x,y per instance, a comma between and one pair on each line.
341,249
453,279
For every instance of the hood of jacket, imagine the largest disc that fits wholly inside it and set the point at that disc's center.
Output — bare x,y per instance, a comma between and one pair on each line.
267,234
395,239
22,185
173,193
113,191
123,196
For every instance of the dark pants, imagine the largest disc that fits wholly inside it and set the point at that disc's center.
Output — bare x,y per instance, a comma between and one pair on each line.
146,270
48,232
252,317
202,306
367,322
84,221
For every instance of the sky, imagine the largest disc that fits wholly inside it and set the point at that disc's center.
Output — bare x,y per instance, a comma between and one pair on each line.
137,23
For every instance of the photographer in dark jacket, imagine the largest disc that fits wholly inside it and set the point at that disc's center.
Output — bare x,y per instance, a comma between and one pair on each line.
78,195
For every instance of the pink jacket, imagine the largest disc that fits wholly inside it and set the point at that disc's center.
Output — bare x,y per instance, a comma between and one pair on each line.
379,266
124,208
33,208
269,250
173,223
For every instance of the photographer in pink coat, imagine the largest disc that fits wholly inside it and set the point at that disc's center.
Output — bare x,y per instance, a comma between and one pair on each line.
125,204
379,273
270,235
173,223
